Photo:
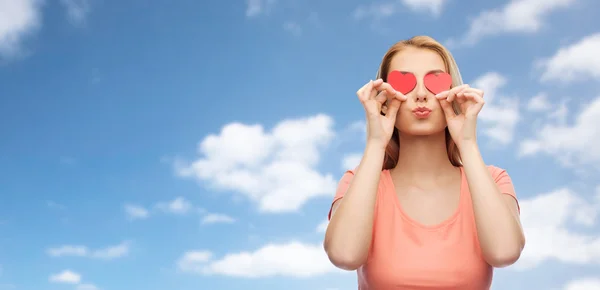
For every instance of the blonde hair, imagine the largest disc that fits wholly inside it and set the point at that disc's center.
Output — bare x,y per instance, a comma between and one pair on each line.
424,42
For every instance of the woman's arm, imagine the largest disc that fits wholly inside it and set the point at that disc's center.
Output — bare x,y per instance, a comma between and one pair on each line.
496,214
349,234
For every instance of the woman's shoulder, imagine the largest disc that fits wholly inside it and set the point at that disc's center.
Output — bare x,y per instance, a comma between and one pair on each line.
384,177
496,170
349,174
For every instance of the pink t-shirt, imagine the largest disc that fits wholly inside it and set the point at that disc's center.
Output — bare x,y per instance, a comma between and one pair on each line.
408,255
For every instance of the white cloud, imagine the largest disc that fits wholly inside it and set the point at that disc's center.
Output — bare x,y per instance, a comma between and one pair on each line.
559,112
66,277
584,284
517,16
276,169
108,253
112,252
572,144
70,277
134,212
379,10
548,221
177,206
500,114
55,205
68,250
19,19
539,103
259,7
577,62
322,227
7,286
293,259
293,28
215,218
353,132
382,10
431,6
194,261
191,259
77,10
86,286
351,161
360,126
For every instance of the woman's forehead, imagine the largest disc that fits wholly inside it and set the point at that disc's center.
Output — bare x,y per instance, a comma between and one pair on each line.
417,61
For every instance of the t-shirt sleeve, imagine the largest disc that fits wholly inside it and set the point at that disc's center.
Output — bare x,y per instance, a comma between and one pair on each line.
341,189
504,182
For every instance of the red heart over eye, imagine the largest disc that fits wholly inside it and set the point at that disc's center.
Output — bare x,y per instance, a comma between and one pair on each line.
403,82
437,82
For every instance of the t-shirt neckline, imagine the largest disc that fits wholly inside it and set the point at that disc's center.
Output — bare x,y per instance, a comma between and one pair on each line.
415,223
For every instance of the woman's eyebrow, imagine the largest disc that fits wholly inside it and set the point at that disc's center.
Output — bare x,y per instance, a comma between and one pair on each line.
435,71
431,71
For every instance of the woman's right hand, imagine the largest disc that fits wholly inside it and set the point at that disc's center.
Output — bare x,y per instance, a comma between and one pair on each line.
373,96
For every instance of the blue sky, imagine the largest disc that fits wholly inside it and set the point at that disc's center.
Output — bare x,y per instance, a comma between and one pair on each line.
197,144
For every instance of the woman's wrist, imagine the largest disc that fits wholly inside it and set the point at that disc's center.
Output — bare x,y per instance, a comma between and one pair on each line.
375,145
468,149
374,154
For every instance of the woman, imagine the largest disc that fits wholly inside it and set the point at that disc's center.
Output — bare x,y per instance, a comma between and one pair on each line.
422,210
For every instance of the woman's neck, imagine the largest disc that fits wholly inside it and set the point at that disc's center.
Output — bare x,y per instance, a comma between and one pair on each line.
423,157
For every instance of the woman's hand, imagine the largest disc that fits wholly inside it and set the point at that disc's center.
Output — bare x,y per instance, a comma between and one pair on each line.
373,96
462,127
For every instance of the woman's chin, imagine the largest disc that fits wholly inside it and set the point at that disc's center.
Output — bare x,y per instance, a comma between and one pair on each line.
422,129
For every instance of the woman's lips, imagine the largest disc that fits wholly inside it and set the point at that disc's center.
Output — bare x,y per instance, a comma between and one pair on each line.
422,112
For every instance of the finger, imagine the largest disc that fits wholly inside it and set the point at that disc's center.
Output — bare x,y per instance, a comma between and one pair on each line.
374,90
363,88
392,92
383,86
445,94
472,90
447,108
381,97
460,97
461,87
464,90
367,94
471,94
454,91
361,92
477,105
400,96
474,97
392,112
450,96
476,91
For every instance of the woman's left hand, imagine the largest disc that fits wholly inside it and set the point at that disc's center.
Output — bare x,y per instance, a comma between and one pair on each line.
463,126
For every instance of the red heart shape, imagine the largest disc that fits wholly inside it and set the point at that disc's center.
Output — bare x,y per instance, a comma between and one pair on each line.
437,82
403,82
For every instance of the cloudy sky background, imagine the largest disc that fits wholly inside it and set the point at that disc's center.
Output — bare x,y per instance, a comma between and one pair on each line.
197,144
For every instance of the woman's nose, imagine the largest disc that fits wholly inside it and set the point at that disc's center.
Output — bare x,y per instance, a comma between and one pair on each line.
421,93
